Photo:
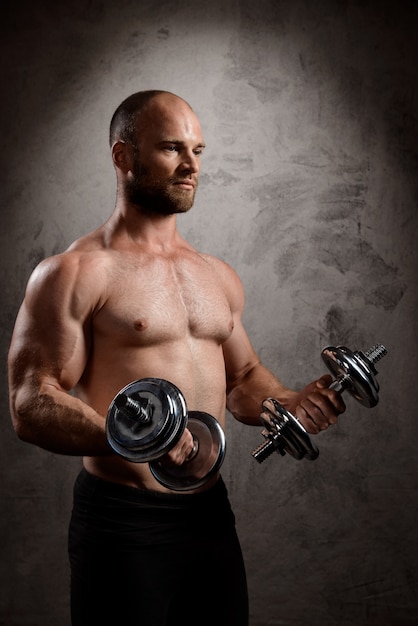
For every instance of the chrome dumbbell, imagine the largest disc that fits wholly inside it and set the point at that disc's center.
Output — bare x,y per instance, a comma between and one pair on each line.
147,418
354,372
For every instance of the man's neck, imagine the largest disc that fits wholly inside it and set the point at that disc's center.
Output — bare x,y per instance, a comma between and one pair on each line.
144,227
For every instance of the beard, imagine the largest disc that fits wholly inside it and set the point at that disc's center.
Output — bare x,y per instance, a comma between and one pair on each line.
156,195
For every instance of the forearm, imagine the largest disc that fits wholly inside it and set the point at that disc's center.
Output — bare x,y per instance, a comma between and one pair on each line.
246,394
54,420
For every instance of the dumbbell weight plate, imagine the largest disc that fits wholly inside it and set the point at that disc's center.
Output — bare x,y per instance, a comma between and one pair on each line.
194,473
352,372
286,432
140,441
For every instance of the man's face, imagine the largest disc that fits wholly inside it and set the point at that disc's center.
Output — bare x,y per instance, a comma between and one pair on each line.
165,175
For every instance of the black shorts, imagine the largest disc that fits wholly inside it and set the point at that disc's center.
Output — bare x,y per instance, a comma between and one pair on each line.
145,558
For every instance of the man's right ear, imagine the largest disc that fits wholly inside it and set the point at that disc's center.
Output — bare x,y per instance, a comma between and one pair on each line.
122,156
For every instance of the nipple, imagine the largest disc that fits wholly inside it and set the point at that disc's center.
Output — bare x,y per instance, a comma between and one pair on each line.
141,325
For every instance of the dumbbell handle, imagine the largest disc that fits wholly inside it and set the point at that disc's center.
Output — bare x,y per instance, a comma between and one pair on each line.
338,385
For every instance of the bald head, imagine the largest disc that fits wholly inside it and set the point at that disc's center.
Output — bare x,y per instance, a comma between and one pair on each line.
156,142
127,118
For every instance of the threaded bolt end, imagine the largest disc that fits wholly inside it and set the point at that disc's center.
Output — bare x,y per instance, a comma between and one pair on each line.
376,353
263,451
139,410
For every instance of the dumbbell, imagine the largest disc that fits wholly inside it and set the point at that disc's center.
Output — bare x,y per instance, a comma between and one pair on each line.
147,418
354,372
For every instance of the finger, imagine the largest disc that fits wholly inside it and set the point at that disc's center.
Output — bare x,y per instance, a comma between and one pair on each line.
331,401
324,381
187,444
182,450
318,412
334,397
307,422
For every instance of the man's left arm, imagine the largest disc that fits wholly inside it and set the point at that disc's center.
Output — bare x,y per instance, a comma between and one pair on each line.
249,382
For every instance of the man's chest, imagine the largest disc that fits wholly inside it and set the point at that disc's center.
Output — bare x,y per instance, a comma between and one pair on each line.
163,301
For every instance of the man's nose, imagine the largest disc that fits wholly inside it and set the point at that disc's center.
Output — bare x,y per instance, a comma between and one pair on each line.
190,163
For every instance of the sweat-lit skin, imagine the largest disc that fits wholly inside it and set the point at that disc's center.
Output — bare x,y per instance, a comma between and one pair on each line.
133,299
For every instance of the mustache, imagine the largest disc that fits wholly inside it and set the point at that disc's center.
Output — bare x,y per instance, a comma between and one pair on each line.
157,181
190,180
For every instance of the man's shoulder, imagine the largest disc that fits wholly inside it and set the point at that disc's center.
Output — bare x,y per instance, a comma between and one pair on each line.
229,280
219,265
84,260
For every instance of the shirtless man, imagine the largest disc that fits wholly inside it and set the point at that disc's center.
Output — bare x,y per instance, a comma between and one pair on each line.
132,300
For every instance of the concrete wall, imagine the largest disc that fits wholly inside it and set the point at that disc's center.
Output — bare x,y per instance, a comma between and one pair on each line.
309,189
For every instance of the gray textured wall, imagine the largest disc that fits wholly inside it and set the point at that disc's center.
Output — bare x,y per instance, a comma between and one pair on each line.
309,189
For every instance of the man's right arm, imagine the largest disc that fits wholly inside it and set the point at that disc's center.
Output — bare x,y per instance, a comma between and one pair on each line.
47,357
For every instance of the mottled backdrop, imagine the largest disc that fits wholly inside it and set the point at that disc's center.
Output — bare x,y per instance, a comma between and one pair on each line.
309,189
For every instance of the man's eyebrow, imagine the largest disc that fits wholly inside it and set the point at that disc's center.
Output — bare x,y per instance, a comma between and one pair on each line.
179,142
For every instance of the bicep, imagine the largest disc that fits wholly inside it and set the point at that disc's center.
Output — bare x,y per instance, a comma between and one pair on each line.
47,346
239,354
50,339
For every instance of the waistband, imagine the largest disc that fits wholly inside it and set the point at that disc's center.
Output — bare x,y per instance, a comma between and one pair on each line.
96,486
127,517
